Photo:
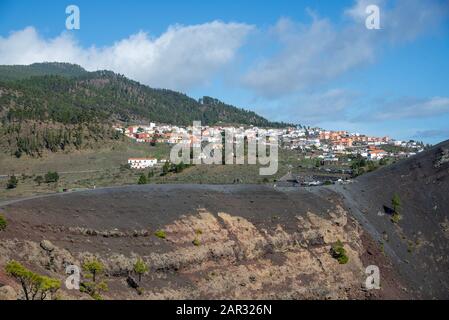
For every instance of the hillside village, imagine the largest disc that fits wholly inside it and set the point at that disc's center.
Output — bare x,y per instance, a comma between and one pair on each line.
325,146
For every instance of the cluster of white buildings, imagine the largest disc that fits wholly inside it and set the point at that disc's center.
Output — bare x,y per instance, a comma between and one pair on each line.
173,134
330,146
318,143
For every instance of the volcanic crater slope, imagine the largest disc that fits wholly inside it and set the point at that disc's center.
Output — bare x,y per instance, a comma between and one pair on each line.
418,243
199,241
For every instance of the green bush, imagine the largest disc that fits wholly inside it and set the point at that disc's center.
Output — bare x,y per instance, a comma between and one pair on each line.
383,162
94,288
124,167
142,179
196,242
94,267
339,253
175,168
12,182
140,268
51,176
397,205
165,169
160,234
343,259
39,180
3,223
180,167
396,217
34,286
382,247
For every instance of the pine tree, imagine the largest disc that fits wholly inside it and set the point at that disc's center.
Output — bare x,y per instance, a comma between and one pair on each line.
12,182
142,179
140,268
396,203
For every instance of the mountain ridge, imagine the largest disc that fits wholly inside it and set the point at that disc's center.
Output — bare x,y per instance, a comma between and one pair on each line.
44,85
20,72
60,107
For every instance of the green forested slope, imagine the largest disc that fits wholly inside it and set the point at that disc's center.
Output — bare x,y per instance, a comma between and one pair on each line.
40,98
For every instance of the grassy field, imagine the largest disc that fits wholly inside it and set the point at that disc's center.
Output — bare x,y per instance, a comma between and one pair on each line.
105,167
99,159
226,174
80,169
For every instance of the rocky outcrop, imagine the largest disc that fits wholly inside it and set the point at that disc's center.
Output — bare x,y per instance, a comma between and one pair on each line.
43,255
225,255
442,157
8,293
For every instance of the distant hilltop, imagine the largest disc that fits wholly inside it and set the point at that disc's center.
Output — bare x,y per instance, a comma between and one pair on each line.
67,93
20,72
61,106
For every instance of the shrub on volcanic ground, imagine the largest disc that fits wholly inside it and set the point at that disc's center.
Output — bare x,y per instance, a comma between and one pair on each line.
339,253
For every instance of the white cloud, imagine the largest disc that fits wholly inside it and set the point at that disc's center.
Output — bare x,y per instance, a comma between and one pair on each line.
316,53
182,57
409,108
434,133
358,10
313,107
409,19
25,47
402,20
331,105
310,55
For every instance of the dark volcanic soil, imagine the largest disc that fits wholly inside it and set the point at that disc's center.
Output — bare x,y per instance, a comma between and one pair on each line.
246,241
255,241
419,243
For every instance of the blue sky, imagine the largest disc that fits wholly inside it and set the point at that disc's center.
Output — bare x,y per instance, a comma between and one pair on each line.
308,62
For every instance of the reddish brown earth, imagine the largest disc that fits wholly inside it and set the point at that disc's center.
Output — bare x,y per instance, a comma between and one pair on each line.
245,241
254,242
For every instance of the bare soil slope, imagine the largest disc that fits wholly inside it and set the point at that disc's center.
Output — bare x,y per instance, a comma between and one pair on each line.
236,241
419,243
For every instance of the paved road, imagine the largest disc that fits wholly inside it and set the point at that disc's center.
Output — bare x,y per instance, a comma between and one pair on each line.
8,202
3,176
222,188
